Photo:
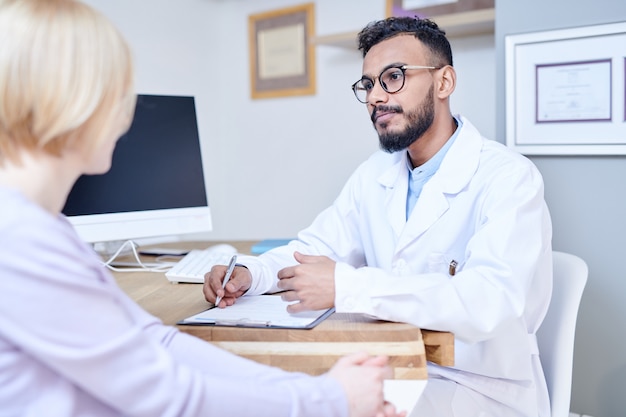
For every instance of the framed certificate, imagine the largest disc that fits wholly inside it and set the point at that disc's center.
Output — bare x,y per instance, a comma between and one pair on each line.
574,92
566,91
282,56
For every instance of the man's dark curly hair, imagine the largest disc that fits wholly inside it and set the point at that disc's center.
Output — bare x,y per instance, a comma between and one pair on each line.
425,30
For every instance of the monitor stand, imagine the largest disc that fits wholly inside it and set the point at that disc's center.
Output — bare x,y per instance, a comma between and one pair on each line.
108,249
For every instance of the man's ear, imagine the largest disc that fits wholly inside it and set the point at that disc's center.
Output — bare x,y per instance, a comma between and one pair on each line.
446,82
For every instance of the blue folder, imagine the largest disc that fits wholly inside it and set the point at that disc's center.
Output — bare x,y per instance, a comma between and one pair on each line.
267,244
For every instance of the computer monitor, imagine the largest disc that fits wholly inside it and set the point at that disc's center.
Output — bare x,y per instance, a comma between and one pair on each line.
155,186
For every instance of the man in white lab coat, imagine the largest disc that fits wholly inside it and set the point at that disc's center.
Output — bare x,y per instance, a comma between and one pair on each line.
442,229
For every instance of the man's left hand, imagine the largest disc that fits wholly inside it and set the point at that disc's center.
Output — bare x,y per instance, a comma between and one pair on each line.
311,282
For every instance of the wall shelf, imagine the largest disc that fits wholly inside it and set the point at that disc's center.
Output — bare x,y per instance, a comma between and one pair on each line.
457,25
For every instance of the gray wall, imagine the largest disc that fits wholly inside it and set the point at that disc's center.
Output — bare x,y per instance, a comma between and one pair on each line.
588,206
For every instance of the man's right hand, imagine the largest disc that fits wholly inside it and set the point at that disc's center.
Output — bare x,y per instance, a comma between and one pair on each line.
239,283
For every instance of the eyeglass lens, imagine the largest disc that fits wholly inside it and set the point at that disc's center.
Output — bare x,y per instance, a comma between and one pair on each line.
391,80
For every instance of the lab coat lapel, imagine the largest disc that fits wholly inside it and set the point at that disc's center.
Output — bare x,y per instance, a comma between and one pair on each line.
395,180
430,206
455,172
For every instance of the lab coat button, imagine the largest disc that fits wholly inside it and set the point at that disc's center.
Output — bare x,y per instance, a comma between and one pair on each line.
400,265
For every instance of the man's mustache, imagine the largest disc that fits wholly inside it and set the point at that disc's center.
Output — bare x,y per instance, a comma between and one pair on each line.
384,109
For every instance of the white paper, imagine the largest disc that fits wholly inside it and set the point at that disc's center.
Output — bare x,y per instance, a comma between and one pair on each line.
282,52
404,393
577,91
256,311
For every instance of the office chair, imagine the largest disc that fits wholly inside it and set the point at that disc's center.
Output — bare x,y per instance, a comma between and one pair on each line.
555,337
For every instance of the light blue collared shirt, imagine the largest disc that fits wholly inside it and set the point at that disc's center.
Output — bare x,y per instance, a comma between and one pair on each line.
420,175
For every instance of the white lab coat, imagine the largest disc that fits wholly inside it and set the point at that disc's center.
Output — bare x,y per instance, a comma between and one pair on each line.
483,209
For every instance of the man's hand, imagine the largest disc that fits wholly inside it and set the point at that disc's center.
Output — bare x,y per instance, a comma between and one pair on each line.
239,283
311,282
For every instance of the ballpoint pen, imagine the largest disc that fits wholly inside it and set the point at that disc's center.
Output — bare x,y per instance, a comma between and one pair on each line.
229,272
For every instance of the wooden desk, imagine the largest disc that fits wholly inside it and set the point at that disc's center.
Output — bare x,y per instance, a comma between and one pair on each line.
312,351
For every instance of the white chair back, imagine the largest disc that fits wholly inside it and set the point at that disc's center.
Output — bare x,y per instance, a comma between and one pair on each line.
555,337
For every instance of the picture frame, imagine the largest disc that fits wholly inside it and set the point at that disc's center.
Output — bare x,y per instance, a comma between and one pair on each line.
565,91
282,54
432,8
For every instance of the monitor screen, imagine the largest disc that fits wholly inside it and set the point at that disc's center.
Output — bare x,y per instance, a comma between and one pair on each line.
155,186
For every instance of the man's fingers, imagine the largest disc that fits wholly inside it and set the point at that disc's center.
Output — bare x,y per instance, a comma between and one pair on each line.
234,284
289,296
285,273
307,259
297,308
286,284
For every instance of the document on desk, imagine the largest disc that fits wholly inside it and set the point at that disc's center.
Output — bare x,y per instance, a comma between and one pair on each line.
268,311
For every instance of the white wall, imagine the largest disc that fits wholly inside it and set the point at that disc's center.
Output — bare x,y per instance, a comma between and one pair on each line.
273,164
285,159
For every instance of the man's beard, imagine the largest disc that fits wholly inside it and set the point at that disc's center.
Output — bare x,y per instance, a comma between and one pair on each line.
419,121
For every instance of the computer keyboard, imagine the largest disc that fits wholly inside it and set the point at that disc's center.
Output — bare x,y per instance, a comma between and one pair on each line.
192,267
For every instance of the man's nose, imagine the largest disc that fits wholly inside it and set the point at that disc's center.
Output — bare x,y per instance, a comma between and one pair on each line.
377,94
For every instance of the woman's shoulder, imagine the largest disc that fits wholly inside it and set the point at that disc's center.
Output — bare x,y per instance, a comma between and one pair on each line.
30,234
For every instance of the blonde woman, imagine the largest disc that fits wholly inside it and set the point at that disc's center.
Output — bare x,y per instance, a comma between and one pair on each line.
71,342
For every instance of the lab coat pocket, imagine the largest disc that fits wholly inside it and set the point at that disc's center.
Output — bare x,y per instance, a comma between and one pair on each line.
443,263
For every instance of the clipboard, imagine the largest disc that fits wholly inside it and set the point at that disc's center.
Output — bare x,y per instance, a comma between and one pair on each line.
259,311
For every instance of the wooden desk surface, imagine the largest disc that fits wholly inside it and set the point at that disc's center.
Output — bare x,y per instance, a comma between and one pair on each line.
312,351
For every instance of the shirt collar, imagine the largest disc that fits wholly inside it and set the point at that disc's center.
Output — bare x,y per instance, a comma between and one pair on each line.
428,168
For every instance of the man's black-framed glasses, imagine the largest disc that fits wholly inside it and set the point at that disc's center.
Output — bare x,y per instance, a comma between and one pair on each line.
391,80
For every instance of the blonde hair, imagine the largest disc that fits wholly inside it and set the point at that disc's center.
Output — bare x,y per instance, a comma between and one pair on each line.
65,71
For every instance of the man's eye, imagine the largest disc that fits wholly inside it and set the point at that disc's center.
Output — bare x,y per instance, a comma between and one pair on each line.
367,85
394,76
